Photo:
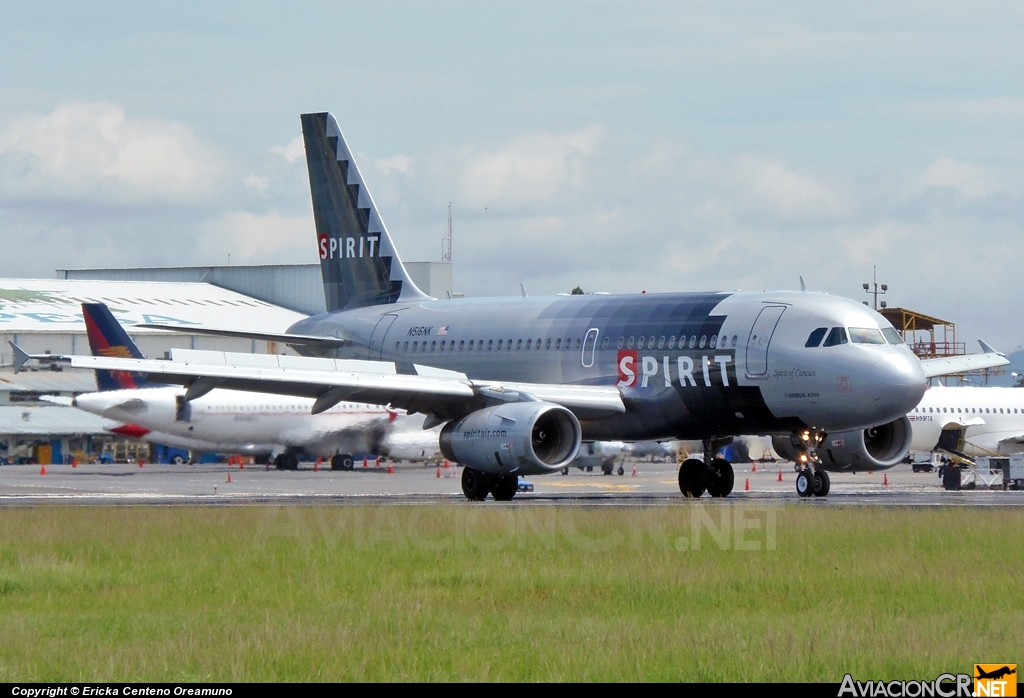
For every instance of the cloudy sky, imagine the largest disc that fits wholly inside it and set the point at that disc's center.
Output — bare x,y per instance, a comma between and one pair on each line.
658,146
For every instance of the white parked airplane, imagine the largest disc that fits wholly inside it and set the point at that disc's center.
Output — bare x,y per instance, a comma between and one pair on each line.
972,421
235,421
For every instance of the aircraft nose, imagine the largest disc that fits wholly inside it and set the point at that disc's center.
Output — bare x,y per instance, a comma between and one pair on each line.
897,384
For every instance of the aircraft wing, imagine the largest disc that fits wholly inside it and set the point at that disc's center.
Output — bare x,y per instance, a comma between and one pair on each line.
284,338
439,393
968,362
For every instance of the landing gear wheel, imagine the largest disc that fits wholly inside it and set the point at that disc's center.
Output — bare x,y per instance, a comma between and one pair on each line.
279,462
475,484
722,478
178,460
806,483
691,478
291,461
505,488
824,483
621,470
342,461
607,469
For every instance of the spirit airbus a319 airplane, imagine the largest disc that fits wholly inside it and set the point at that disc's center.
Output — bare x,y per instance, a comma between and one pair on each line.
519,382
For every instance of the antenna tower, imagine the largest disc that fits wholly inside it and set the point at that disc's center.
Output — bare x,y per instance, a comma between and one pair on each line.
446,242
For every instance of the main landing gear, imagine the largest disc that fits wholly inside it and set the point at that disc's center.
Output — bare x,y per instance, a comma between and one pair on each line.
476,485
342,461
287,461
713,475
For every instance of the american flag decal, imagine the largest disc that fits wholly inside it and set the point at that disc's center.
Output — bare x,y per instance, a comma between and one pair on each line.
442,331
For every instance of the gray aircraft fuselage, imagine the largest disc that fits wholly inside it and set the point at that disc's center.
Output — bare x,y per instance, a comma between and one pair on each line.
688,365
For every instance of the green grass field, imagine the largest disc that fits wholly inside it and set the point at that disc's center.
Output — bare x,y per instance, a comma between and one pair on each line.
695,592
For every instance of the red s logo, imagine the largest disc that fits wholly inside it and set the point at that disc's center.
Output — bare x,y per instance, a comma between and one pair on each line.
627,368
322,239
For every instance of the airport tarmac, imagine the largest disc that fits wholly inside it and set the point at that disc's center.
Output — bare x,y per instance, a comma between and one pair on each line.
652,483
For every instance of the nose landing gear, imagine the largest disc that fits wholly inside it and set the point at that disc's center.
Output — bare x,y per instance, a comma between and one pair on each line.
812,481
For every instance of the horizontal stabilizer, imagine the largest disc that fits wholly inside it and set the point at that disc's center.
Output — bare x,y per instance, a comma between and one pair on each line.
284,338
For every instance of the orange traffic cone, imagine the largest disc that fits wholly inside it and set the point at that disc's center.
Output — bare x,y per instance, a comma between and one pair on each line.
871,472
446,463
753,468
229,477
885,479
366,462
439,471
377,464
316,466
746,488
780,475
74,462
391,468
141,462
42,471
634,470
268,465
241,463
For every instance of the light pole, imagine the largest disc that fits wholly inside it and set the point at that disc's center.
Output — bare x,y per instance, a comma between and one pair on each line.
875,292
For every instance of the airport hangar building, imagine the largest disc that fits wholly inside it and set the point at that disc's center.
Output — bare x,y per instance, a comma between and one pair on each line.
44,316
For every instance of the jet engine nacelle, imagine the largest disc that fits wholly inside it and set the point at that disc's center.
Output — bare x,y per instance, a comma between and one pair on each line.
875,448
516,437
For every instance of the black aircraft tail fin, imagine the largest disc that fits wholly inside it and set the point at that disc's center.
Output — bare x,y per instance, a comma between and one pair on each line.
358,261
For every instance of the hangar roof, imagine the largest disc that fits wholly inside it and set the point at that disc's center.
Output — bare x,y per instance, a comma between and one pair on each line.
53,305
43,380
49,420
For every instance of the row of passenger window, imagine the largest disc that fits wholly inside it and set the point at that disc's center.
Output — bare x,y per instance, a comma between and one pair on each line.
478,345
693,343
857,335
967,410
557,344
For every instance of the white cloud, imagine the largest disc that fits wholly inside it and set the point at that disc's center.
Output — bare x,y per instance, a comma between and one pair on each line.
530,170
264,239
92,151
973,182
257,182
291,152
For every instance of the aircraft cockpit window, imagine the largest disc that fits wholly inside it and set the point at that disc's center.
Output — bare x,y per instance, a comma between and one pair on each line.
836,337
866,335
815,337
892,336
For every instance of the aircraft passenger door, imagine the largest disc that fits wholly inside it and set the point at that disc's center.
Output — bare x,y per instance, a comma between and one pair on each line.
589,347
760,338
379,332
